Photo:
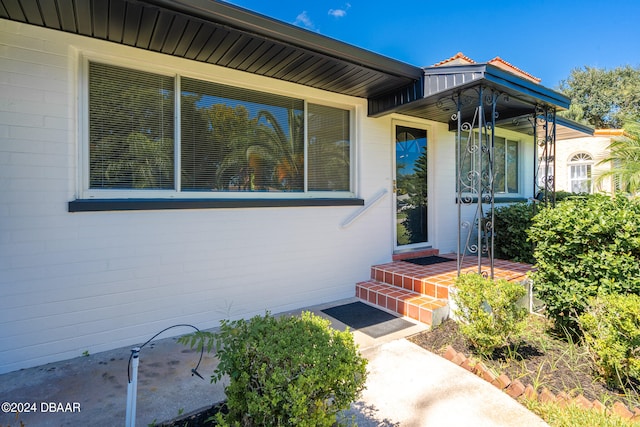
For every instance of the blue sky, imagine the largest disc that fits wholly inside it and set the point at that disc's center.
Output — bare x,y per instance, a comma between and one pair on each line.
547,38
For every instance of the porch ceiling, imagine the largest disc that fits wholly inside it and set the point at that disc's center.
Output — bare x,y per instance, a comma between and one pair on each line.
565,129
218,33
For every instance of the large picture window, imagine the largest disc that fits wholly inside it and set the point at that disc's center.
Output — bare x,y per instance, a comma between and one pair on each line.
154,132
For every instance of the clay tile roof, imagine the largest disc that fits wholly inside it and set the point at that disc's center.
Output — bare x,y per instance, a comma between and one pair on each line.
609,132
457,59
501,63
461,59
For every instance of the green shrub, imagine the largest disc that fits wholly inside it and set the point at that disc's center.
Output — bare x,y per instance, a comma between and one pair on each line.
511,223
511,226
585,247
562,195
284,371
489,311
611,326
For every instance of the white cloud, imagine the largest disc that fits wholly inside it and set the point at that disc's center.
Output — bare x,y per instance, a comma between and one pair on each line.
340,13
303,20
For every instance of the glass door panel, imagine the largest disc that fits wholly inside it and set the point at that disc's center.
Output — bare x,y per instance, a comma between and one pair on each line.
411,186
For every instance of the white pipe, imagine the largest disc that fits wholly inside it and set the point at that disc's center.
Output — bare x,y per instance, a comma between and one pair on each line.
132,389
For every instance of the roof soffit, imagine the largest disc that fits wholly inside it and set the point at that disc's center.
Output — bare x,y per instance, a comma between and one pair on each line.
218,33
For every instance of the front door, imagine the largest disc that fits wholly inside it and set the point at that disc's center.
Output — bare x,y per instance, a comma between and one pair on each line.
411,187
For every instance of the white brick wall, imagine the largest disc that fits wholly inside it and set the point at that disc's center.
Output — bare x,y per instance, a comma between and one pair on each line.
75,282
71,282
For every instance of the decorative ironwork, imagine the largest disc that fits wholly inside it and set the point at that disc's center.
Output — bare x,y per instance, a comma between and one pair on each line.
544,131
475,176
476,117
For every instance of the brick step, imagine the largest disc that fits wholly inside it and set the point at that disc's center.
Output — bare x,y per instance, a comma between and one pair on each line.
432,280
415,254
422,308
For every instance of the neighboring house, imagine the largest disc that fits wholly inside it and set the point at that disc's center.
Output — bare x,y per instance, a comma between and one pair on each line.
186,161
577,167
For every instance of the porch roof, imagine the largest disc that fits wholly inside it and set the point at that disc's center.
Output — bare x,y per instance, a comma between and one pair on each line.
218,33
436,99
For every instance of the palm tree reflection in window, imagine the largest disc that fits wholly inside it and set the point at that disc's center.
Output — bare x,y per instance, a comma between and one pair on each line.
235,139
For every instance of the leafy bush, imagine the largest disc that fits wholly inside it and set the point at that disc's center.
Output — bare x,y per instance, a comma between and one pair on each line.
564,195
510,225
284,371
585,247
611,326
489,310
561,195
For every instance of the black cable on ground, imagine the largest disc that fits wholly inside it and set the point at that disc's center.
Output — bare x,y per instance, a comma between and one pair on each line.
194,371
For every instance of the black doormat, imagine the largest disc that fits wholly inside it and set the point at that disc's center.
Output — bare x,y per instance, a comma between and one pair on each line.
367,319
428,260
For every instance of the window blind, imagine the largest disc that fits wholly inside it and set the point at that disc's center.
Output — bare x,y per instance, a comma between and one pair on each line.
329,149
131,131
234,139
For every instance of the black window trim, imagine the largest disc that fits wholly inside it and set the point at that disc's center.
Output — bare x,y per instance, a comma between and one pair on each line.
104,205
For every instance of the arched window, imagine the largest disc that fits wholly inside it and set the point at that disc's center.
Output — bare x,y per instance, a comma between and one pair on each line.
580,173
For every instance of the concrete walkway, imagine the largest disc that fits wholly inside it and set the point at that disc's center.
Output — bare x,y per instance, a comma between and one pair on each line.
406,386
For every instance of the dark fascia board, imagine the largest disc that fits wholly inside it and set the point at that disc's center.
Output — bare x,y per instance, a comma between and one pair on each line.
578,127
527,87
505,80
255,23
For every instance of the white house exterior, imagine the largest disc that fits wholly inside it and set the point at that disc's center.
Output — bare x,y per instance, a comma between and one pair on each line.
86,269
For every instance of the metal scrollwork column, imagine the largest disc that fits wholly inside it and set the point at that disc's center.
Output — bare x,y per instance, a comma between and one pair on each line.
544,128
475,176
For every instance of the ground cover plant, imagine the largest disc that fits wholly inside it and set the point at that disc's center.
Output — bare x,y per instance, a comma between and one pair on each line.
611,328
574,416
542,358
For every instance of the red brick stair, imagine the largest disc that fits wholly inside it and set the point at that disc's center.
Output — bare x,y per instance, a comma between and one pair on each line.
410,290
421,292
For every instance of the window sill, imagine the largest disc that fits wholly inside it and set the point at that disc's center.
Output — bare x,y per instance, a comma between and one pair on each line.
498,199
103,205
